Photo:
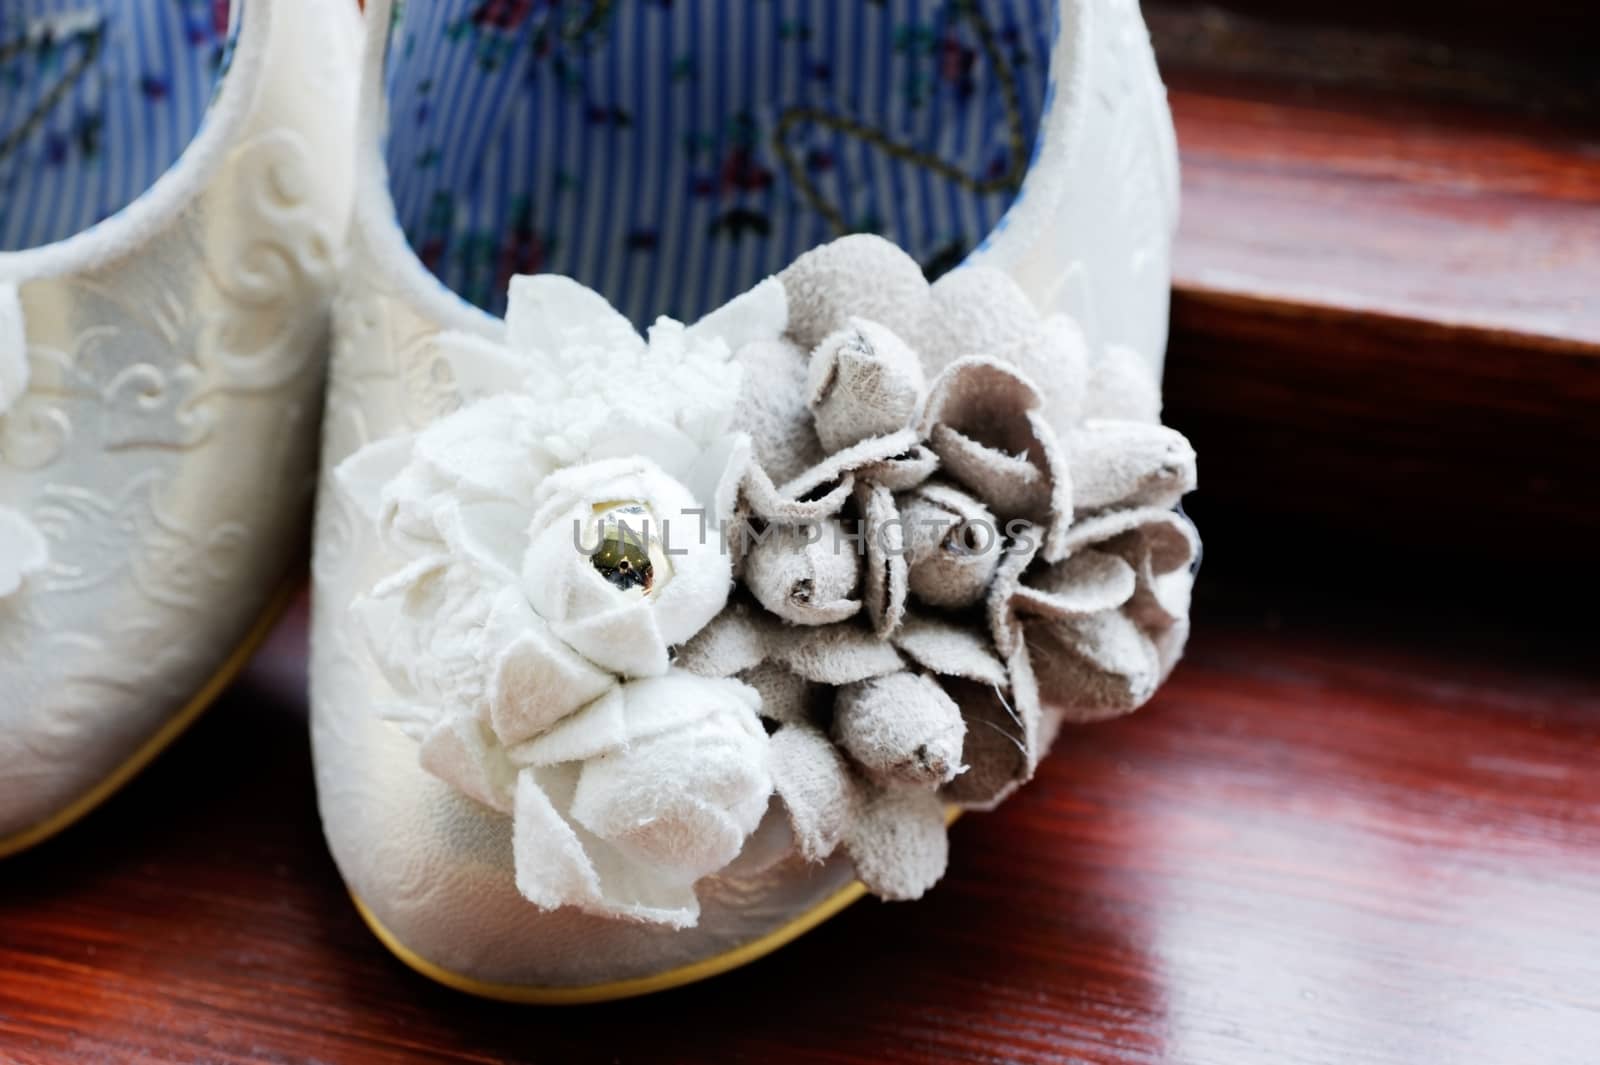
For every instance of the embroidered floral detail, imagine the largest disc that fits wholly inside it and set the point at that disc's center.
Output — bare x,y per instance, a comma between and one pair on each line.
23,548
553,543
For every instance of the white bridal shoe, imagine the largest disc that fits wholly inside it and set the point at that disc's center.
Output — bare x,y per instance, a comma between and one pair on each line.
636,653
173,190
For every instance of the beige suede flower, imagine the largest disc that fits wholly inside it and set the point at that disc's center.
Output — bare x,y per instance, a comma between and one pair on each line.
951,505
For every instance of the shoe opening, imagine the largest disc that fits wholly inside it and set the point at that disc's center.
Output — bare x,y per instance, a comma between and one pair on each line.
671,154
99,98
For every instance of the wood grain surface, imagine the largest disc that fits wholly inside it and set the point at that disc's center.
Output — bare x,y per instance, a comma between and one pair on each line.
1332,842
1351,201
1386,317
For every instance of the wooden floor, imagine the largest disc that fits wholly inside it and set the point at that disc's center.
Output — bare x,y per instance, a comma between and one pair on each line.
1341,842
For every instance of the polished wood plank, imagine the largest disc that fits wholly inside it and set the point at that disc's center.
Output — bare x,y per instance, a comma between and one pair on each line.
1390,206
1386,317
1356,840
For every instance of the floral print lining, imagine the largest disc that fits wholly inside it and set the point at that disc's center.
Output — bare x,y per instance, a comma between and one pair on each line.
669,153
98,98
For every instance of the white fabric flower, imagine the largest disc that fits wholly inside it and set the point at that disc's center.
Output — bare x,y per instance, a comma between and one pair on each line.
623,806
554,538
603,391
624,621
23,549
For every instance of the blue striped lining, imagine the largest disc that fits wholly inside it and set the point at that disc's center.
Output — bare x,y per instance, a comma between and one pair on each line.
98,98
633,144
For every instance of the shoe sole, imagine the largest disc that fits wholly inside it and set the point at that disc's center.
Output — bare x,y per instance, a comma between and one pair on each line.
174,727
694,972
640,985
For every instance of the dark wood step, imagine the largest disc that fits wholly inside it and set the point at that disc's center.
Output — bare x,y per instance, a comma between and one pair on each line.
1387,305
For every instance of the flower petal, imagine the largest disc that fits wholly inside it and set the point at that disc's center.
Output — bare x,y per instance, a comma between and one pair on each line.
680,802
817,791
550,312
773,409
953,546
805,574
981,310
1170,639
786,696
536,680
899,473
632,712
491,534
1000,605
598,727
560,863
1012,484
761,314
424,626
1168,536
1056,360
1122,386
716,477
898,841
364,475
1127,464
485,450
865,455
857,275
627,641
863,382
1094,667
1086,583
462,752
887,577
1161,595
900,729
997,749
950,650
834,654
761,499
983,420
734,641
978,310
626,433
552,867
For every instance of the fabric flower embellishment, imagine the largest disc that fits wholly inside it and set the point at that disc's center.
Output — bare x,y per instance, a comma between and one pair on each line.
655,786
953,507
548,544
23,548
855,540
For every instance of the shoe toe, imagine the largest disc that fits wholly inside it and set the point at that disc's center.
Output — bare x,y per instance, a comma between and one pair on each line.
432,872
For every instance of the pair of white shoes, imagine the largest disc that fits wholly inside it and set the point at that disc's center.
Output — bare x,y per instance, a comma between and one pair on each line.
633,656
